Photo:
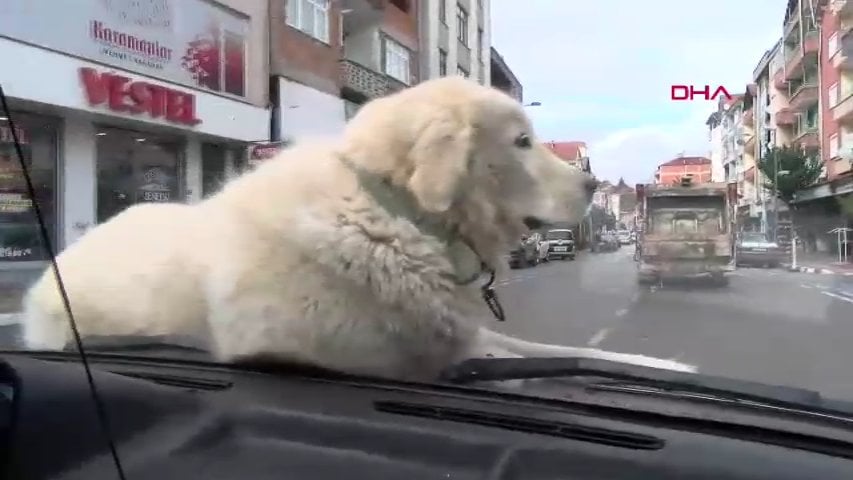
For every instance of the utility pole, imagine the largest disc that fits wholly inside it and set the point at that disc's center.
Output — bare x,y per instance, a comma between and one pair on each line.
775,196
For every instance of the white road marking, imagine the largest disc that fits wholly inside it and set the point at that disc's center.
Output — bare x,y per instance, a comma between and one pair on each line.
806,286
835,295
598,337
621,312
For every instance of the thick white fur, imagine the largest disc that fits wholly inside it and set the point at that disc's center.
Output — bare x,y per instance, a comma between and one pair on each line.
295,260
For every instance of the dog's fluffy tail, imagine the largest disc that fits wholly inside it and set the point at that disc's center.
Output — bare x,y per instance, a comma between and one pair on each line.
501,342
45,323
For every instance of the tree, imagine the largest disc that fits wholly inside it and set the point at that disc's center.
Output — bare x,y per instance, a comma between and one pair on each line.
797,169
600,218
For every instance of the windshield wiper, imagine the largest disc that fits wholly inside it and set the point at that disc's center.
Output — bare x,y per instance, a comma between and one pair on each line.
629,376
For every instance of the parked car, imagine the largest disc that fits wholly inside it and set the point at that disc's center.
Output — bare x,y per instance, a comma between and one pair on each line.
608,242
561,244
526,254
624,237
753,248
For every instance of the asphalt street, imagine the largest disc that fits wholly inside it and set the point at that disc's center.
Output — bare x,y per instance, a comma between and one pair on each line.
772,326
768,325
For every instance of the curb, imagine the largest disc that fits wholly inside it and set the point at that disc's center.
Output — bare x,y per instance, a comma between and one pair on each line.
819,270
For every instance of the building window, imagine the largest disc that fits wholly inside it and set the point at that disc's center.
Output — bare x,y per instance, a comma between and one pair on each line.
462,24
442,62
309,16
20,236
462,71
480,44
397,61
442,11
135,167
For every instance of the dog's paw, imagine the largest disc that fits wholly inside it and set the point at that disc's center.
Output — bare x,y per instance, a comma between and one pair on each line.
664,364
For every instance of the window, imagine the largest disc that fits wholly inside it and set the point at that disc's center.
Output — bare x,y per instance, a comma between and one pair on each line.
20,238
397,61
480,44
462,71
135,167
462,25
833,44
833,95
309,16
442,62
442,11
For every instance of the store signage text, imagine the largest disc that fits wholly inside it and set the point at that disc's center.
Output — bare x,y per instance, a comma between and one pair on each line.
689,92
123,94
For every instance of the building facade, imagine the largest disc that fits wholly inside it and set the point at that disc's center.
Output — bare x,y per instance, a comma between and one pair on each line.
330,57
455,39
671,172
503,78
119,103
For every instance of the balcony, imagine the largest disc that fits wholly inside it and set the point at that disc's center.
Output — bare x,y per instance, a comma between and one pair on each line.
785,117
804,54
804,95
360,14
807,139
841,57
749,117
842,8
365,82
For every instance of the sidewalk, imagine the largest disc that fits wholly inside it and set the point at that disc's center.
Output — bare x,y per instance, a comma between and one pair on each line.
820,263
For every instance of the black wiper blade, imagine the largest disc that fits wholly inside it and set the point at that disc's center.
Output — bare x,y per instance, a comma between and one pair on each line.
498,369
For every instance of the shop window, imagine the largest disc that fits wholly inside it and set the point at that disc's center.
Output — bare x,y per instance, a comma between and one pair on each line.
135,167
20,235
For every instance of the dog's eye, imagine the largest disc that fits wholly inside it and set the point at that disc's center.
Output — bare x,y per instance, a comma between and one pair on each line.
523,141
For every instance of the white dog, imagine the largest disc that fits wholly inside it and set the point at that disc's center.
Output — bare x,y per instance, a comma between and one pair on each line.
360,256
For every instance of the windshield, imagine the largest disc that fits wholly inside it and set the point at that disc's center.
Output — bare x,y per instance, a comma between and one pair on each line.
297,184
754,238
559,235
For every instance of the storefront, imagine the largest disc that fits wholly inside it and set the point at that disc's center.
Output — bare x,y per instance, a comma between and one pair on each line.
122,114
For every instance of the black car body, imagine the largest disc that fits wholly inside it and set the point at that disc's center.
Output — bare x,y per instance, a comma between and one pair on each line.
753,248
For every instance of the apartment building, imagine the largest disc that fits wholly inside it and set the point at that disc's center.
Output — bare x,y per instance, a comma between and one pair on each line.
671,172
800,74
455,39
574,153
715,141
330,57
837,78
502,76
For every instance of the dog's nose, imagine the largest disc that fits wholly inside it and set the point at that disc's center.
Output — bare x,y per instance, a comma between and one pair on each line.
590,184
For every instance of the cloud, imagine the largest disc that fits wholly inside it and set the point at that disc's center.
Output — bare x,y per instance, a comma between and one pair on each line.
627,152
603,70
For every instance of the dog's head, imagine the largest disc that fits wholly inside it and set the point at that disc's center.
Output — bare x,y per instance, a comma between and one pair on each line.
468,153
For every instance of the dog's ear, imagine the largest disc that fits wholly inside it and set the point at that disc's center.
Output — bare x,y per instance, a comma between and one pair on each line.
440,157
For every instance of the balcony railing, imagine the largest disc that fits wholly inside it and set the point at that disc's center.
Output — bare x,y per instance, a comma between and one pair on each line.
366,82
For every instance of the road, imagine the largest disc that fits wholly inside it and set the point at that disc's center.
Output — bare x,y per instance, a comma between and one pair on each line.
768,325
772,326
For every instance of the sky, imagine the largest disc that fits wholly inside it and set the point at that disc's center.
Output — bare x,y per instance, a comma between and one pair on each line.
602,70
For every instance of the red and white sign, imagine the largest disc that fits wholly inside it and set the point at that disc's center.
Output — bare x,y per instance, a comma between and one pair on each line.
124,95
196,43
